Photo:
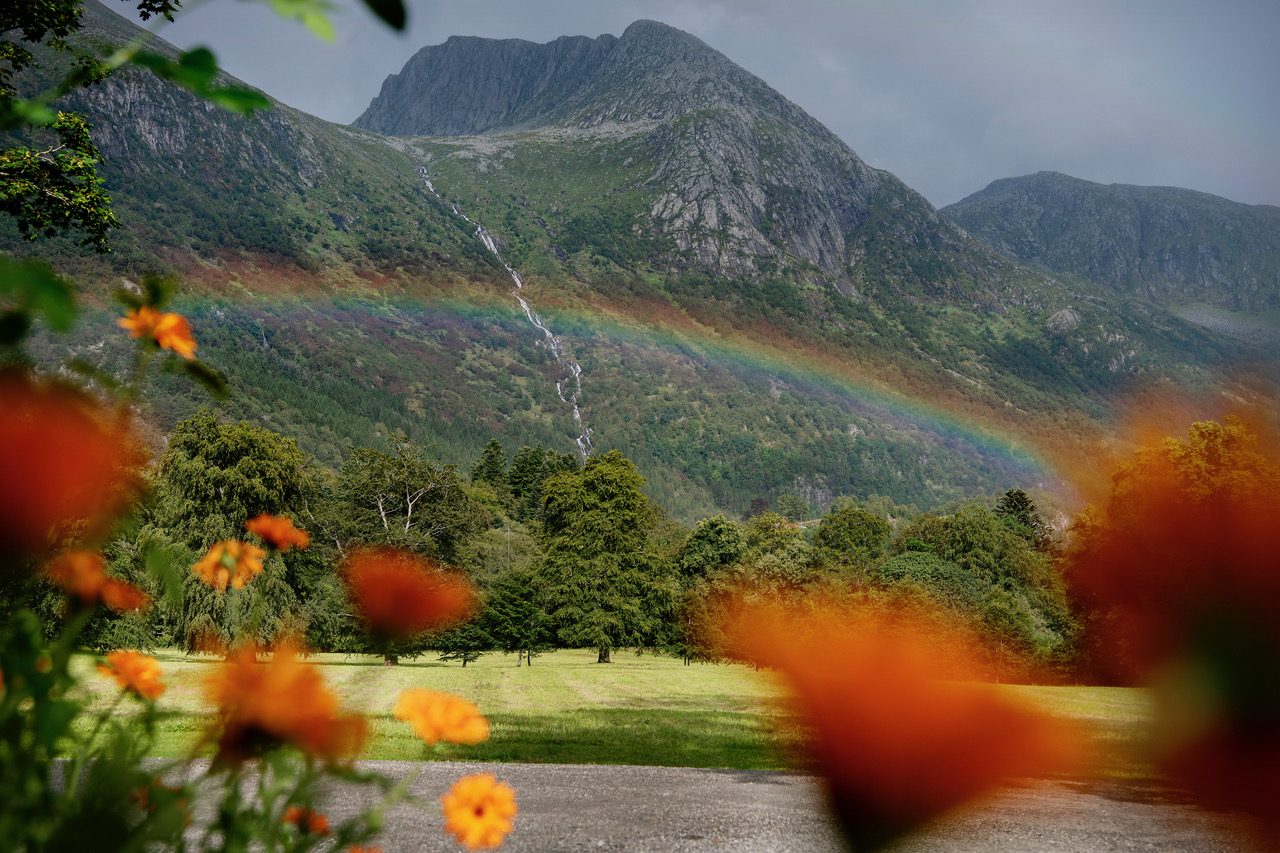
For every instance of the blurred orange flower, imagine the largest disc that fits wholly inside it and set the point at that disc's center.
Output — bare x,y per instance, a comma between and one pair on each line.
81,574
279,531
230,561
169,330
478,810
281,701
309,822
1177,578
63,458
134,672
442,717
399,594
897,742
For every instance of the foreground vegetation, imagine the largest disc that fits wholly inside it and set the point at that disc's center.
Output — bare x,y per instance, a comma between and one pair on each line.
642,710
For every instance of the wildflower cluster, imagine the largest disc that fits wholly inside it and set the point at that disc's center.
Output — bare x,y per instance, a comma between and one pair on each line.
69,469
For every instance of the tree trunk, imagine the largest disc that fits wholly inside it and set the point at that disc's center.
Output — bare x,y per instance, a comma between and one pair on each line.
519,657
604,656
390,660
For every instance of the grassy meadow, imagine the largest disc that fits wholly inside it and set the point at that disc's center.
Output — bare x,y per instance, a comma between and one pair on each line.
567,709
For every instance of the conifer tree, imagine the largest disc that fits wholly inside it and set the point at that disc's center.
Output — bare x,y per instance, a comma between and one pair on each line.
604,580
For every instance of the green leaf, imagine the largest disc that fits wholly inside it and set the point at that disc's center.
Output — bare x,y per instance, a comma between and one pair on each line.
91,371
19,111
13,327
37,288
392,12
208,377
312,14
197,71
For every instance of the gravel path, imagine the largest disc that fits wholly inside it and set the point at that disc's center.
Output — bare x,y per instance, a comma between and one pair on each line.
651,809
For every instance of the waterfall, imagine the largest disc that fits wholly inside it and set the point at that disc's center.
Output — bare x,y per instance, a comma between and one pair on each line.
572,380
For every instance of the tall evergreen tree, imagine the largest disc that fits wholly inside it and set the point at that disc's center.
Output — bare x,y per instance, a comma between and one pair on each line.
604,581
491,466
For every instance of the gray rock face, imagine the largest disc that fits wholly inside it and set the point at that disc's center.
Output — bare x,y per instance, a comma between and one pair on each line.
1171,244
742,177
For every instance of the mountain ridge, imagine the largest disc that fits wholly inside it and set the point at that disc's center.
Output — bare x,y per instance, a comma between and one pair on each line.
1169,243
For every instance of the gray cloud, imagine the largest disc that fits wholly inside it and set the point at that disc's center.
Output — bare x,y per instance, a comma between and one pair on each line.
947,94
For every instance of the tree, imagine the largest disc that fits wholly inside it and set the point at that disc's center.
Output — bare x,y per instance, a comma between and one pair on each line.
853,535
491,466
466,643
1016,509
603,580
792,507
530,469
758,506
514,615
714,544
212,479
403,498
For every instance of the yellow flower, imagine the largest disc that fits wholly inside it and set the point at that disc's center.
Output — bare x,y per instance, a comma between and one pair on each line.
169,331
442,716
478,810
231,561
135,672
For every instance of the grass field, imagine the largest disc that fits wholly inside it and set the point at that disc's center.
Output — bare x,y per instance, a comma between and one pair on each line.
568,709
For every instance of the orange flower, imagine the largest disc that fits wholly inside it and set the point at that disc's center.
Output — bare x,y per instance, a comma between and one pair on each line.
897,743
81,574
442,716
478,810
279,531
230,561
135,672
399,594
356,848
281,701
169,330
1177,579
309,822
62,459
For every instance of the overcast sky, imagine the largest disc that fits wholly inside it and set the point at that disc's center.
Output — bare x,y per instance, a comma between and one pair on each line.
947,94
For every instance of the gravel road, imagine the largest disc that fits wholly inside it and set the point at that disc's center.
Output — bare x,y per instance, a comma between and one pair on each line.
651,809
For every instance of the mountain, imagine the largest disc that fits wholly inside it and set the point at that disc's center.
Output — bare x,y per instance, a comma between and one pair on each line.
1172,245
708,280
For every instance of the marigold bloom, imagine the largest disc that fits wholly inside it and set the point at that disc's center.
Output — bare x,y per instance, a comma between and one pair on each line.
134,672
230,561
308,821
478,810
281,701
399,594
63,458
279,531
897,743
81,574
442,717
169,330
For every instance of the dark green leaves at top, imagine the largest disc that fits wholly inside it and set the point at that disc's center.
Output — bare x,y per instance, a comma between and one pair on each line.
197,71
391,12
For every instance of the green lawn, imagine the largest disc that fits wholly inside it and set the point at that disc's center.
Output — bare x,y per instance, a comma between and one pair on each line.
566,708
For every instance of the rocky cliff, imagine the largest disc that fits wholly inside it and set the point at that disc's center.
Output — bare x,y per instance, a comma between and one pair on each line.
741,180
1170,244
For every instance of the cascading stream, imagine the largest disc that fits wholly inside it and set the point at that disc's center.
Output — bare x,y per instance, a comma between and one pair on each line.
573,370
